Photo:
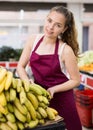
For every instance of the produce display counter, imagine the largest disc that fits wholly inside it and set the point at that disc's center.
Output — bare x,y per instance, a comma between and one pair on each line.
87,79
55,126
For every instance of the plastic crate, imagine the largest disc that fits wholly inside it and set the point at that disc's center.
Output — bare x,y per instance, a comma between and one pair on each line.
84,96
85,114
56,126
84,103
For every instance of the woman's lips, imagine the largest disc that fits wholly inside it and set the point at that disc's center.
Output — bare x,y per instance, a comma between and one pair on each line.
49,32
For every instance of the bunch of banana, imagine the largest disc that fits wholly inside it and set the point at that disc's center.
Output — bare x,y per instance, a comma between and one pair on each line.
22,104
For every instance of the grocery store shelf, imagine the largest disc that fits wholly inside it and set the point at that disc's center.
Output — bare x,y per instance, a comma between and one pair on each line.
86,80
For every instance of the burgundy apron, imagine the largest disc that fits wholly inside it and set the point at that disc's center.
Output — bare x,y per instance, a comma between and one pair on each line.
47,73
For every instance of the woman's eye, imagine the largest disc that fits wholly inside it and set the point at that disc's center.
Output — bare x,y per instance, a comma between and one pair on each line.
59,26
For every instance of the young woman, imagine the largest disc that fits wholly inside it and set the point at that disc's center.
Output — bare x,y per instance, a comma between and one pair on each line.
53,61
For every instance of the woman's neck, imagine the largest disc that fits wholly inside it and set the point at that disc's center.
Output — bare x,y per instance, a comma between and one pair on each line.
48,40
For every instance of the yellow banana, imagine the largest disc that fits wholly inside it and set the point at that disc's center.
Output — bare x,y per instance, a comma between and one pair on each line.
33,124
45,100
3,72
2,84
35,89
10,107
3,101
40,98
28,117
10,117
41,104
19,85
54,111
3,109
22,96
5,126
8,80
20,107
19,115
38,115
3,119
1,115
26,85
20,125
13,126
14,82
12,94
33,99
41,121
7,95
50,114
31,109
42,112
44,91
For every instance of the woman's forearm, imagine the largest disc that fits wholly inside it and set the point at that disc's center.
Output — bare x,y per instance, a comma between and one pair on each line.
66,86
22,73
63,87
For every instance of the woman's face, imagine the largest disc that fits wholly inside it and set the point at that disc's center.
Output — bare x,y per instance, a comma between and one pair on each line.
54,24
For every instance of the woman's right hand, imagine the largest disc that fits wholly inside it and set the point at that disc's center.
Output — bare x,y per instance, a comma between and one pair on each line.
31,81
51,91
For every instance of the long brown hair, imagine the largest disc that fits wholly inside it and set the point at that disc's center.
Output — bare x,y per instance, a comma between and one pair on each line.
70,35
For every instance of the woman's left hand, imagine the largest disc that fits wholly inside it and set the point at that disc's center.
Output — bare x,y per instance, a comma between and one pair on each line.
51,91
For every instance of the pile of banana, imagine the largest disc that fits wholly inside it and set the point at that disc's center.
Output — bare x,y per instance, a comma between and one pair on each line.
22,104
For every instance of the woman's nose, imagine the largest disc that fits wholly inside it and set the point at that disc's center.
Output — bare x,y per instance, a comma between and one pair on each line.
51,26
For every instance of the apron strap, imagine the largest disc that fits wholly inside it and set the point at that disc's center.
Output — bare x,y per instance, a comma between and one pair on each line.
38,43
